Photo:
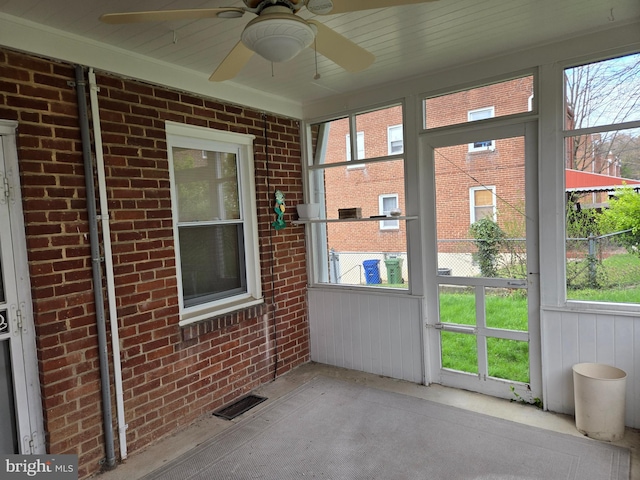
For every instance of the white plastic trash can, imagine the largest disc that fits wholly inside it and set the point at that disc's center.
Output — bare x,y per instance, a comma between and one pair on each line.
599,395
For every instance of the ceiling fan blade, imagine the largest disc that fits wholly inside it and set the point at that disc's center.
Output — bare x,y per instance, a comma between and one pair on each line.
235,60
346,6
164,15
341,50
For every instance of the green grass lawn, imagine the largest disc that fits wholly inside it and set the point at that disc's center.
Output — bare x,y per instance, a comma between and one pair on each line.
507,359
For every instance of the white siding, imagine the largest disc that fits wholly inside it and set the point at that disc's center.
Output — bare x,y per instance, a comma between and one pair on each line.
571,337
370,332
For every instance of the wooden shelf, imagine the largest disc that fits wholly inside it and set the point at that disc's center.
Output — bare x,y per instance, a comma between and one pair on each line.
345,220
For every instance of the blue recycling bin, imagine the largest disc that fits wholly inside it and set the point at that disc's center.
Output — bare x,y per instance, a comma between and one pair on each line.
372,271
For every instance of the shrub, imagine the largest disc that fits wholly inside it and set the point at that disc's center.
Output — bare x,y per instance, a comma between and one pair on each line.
488,239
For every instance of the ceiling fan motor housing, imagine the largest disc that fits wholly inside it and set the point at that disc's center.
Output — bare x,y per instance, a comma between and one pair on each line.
277,34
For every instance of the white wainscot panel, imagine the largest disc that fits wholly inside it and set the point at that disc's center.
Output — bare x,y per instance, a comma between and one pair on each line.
370,332
570,337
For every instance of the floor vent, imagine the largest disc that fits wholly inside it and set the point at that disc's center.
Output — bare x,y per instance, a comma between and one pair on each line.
239,407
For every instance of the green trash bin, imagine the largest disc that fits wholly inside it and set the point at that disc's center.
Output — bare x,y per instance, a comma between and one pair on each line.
394,270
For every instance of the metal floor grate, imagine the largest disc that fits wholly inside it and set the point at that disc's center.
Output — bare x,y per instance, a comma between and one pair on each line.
239,407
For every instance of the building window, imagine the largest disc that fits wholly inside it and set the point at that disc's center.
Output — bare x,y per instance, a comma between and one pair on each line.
483,203
387,204
395,140
359,145
481,114
215,226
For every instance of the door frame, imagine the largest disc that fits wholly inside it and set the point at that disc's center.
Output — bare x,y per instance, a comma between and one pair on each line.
520,126
30,421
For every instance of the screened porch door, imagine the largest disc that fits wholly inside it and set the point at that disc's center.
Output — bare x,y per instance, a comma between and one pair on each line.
21,430
482,281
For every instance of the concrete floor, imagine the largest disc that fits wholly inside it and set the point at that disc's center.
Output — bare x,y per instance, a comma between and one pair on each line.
141,463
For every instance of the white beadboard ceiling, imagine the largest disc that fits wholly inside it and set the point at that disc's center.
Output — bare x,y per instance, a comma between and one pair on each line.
408,41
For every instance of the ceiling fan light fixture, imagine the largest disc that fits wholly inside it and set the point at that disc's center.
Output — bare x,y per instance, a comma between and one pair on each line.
278,38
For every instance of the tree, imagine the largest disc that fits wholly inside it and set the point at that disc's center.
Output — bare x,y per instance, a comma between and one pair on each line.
600,94
623,215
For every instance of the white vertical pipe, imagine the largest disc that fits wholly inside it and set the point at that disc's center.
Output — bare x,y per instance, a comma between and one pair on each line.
108,263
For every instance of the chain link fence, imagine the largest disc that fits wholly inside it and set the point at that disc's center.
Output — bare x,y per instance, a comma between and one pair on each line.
601,262
595,262
369,268
458,257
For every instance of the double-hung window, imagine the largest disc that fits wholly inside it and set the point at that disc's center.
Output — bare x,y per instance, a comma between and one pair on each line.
395,140
214,220
483,203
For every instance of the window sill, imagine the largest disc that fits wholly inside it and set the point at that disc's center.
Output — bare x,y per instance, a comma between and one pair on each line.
198,314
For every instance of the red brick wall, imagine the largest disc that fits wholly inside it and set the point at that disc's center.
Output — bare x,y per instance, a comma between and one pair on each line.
171,375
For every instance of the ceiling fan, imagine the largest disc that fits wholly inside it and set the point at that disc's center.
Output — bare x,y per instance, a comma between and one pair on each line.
277,34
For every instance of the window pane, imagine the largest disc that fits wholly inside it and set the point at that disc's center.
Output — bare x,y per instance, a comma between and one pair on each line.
470,187
207,185
602,180
457,304
481,114
506,309
388,204
375,125
357,253
483,197
361,188
509,97
396,140
482,212
603,93
508,359
459,352
212,262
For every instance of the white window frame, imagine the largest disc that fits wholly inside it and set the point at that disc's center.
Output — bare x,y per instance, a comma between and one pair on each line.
492,145
472,202
189,136
392,136
592,306
360,154
387,224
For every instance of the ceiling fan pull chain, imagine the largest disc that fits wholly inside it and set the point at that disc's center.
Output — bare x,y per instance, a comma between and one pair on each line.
315,53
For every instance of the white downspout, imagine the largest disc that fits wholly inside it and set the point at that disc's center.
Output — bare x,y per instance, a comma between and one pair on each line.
108,264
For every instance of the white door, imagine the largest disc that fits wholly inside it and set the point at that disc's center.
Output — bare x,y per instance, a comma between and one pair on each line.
21,430
482,284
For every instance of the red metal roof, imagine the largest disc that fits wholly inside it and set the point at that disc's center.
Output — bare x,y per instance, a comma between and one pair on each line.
577,180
